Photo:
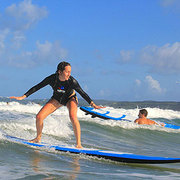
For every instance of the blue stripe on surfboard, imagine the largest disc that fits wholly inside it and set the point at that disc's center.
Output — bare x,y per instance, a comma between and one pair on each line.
105,115
171,126
116,156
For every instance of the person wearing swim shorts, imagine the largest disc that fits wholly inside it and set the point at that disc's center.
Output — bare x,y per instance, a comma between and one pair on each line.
64,87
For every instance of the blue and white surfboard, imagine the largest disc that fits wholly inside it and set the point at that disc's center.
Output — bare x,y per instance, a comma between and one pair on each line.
101,113
110,155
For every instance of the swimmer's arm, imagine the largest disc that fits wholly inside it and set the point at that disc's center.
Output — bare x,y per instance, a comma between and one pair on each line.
156,123
161,124
153,122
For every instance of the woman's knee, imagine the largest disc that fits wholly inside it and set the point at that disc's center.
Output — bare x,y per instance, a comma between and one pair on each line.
39,117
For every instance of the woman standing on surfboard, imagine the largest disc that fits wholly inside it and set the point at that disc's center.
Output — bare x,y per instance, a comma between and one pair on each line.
64,87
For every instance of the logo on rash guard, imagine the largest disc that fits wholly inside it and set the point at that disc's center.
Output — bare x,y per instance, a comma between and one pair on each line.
61,89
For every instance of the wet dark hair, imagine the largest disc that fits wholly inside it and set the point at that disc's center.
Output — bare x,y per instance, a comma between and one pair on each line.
61,66
144,111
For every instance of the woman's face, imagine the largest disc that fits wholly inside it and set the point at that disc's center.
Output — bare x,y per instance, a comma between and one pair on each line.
64,76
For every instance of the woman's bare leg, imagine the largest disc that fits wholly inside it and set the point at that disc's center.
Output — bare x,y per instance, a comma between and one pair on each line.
72,107
47,109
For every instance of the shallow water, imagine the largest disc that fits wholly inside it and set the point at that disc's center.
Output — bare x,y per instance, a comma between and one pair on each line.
19,161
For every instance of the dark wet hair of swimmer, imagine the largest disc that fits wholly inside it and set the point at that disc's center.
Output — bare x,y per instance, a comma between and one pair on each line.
144,111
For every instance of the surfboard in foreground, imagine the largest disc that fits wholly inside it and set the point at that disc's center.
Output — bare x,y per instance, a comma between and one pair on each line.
101,113
110,155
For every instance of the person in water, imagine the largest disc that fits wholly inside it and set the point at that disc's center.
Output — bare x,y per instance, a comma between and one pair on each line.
64,87
143,118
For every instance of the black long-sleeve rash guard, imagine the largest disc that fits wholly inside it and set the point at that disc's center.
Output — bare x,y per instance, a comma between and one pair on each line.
61,89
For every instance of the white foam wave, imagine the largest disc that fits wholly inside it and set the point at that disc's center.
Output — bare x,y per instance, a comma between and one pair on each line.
131,114
1,135
131,125
58,124
16,106
24,127
163,113
31,108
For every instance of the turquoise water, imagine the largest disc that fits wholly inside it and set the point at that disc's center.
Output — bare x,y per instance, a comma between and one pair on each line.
19,161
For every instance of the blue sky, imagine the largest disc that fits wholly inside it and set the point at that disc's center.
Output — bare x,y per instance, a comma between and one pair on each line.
123,50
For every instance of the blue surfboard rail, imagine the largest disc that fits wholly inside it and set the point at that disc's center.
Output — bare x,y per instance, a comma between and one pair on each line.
110,155
89,110
171,126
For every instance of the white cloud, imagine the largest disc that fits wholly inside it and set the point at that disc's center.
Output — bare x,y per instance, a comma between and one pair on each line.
45,52
163,59
15,22
23,15
18,39
23,60
49,51
125,56
148,88
138,82
3,35
153,84
167,3
171,6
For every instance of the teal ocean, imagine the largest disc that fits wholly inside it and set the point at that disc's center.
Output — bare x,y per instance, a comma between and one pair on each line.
17,161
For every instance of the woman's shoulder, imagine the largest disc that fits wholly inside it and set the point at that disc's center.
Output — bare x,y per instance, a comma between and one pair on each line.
73,81
51,76
71,78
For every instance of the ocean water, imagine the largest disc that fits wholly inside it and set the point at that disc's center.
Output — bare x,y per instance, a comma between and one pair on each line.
17,161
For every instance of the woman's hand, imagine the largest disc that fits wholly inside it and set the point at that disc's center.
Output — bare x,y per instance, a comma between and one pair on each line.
95,106
18,98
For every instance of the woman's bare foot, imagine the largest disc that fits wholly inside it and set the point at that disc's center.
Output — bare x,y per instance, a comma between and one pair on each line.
79,146
36,140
